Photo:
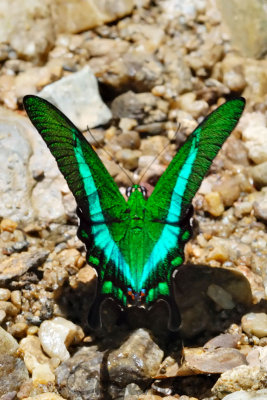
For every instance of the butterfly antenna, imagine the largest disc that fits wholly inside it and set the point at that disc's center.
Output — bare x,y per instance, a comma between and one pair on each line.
110,155
162,151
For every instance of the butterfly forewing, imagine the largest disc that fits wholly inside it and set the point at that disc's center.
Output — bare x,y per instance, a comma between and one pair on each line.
100,203
78,162
173,194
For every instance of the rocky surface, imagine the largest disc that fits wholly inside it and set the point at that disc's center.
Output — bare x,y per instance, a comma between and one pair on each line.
142,83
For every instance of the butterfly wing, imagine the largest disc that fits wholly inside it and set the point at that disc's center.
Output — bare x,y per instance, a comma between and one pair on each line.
101,207
169,206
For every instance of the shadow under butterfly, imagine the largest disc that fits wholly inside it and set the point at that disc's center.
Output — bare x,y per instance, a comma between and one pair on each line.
134,245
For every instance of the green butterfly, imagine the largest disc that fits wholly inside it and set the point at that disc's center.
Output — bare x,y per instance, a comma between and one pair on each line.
135,246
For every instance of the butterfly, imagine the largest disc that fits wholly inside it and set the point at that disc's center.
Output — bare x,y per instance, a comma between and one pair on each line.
135,245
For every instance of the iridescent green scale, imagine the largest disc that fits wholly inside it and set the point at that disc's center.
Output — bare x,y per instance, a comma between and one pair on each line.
134,245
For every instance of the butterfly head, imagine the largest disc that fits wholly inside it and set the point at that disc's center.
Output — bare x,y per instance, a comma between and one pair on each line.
136,188
136,299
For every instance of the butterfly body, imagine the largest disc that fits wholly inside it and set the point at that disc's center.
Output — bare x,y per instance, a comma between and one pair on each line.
135,242
134,245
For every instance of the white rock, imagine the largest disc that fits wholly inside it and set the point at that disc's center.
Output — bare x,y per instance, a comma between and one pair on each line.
47,199
37,363
78,97
23,154
16,182
175,8
255,324
56,335
243,395
254,134
42,375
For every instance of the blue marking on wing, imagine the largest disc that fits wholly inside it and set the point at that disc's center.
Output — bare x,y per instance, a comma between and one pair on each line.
102,237
169,236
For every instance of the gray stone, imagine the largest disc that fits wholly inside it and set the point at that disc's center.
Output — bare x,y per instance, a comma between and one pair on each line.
139,106
78,97
18,264
224,340
137,359
12,373
78,378
199,361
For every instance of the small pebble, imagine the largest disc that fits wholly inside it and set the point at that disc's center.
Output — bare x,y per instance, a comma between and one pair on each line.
42,375
4,294
18,330
214,204
86,274
8,225
68,259
127,124
9,308
220,297
130,140
37,363
16,298
56,335
129,158
32,330
259,174
2,316
255,324
8,345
